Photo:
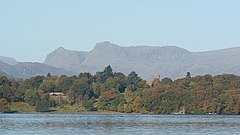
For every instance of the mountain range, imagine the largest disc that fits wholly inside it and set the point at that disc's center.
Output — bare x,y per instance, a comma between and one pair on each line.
166,61
28,69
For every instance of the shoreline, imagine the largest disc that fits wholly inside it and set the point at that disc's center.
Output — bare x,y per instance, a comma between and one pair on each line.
89,113
63,112
106,113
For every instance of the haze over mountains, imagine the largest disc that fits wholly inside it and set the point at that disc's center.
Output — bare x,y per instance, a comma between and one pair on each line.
167,61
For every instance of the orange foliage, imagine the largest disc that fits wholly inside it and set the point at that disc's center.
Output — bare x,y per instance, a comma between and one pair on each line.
136,104
110,94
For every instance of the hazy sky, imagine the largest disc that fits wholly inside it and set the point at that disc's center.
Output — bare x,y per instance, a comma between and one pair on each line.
30,29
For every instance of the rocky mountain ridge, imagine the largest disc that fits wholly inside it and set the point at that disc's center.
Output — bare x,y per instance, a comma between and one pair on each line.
167,61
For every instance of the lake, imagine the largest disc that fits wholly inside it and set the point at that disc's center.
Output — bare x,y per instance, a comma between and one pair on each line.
118,124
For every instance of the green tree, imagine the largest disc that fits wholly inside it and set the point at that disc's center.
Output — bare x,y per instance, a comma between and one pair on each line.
51,87
42,106
35,82
49,75
104,75
89,105
188,75
133,78
128,108
120,108
7,89
32,96
64,84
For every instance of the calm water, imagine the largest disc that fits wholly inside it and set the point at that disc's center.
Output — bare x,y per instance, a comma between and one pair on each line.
75,124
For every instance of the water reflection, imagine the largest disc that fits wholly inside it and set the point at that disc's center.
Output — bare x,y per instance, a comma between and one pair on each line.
64,124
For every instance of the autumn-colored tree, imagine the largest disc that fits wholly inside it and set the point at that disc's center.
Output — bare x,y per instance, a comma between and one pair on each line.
110,99
4,107
136,104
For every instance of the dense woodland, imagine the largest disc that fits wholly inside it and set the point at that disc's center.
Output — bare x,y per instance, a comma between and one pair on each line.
110,91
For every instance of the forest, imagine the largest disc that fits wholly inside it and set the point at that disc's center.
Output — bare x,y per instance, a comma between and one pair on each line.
116,92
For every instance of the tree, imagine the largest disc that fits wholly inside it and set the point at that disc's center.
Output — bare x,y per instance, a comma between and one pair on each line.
4,107
42,106
89,105
64,84
7,89
128,108
108,71
104,75
116,82
136,104
133,78
188,75
86,77
35,82
50,87
32,96
120,108
109,100
80,91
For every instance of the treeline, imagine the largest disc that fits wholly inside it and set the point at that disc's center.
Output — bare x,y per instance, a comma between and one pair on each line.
110,91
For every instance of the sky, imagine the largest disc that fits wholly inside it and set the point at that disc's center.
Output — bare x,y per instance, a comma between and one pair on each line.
30,29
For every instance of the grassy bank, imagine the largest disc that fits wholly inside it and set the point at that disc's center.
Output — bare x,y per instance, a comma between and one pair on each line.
21,107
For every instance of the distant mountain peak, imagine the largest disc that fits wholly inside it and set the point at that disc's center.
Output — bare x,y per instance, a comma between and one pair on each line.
105,44
66,59
60,49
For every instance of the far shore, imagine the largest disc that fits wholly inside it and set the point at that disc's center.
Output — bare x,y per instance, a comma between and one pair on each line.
59,112
100,113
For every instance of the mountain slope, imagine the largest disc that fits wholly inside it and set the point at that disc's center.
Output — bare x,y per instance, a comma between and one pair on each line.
27,69
4,74
8,60
167,61
66,59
